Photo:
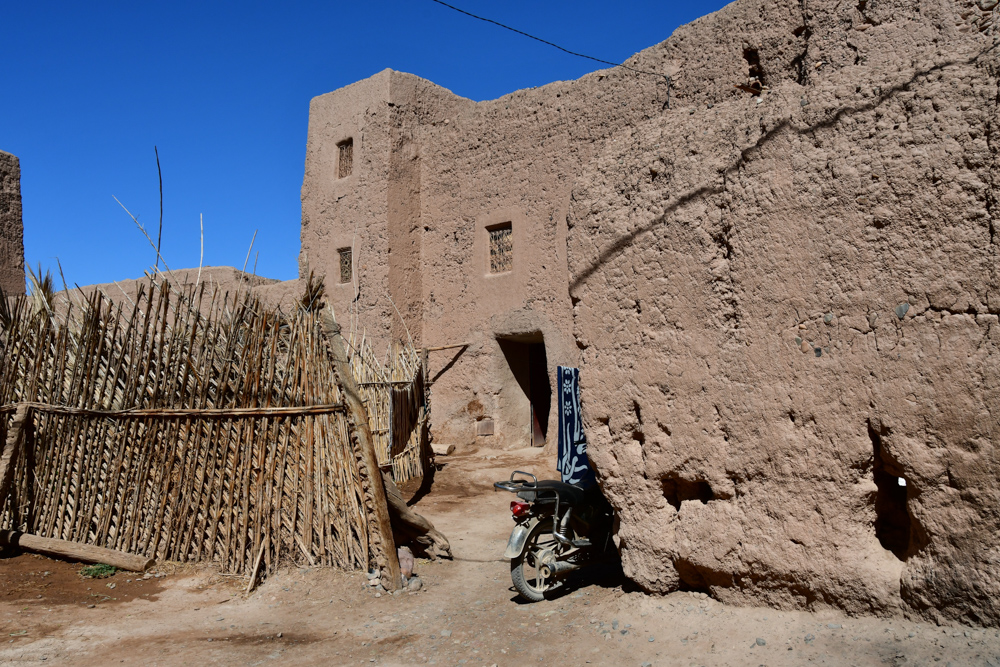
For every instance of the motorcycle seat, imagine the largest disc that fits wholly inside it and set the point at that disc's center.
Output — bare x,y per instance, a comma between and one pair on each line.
547,488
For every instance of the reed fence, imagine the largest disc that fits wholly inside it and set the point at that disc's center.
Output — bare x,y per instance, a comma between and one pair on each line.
196,426
394,395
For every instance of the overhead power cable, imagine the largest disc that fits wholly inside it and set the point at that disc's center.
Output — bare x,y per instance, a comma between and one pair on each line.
545,41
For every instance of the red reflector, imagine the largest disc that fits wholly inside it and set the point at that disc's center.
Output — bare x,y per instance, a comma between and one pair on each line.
519,509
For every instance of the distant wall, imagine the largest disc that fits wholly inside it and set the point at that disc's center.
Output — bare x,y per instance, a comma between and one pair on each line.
11,230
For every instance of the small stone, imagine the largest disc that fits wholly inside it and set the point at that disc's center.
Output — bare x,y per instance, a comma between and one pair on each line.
901,310
112,585
415,584
872,317
91,606
406,562
445,633
652,639
378,595
614,624
280,635
373,582
828,318
798,341
374,574
760,642
805,347
818,351
834,626
803,102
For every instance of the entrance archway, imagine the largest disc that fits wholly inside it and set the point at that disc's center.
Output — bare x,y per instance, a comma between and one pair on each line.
528,363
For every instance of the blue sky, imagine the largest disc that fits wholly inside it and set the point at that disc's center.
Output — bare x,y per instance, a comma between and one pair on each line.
223,89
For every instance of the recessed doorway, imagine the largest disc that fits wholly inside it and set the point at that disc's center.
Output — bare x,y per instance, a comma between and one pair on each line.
529,398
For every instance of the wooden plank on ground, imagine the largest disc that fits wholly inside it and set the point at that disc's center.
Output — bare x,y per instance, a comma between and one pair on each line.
75,551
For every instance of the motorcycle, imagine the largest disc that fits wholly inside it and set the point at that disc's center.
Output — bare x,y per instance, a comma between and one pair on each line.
558,528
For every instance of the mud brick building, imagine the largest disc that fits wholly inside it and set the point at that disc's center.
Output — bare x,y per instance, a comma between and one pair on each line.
11,232
449,216
781,288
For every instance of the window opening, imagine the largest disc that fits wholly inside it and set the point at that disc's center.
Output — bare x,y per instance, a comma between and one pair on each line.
346,265
346,161
501,248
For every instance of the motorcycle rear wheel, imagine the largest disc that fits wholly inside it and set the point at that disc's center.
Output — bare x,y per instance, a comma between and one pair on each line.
524,570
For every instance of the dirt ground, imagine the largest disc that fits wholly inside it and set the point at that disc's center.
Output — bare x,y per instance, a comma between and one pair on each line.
466,613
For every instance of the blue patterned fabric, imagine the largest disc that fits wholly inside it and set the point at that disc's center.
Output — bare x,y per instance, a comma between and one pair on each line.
573,463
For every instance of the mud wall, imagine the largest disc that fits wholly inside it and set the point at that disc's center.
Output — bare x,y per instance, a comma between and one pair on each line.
432,174
11,231
787,305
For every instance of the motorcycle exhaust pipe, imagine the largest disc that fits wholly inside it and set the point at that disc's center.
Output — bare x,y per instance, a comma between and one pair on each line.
558,568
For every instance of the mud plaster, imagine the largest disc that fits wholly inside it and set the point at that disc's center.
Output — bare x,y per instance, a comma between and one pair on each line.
11,231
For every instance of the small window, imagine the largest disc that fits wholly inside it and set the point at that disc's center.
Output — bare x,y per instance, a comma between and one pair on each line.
346,266
346,158
501,248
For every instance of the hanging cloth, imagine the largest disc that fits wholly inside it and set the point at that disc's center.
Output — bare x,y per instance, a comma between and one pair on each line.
574,467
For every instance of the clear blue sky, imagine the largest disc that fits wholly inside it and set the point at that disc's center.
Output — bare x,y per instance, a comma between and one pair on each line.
223,88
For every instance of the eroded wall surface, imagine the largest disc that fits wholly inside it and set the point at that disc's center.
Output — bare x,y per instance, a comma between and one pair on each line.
787,305
11,231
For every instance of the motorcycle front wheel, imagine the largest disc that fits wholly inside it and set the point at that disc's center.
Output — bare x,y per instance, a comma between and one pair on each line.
524,568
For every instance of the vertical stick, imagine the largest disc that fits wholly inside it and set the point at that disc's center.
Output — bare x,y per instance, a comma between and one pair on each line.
16,436
358,419
256,567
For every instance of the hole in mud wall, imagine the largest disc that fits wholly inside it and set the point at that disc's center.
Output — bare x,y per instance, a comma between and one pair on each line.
893,523
676,490
695,578
755,73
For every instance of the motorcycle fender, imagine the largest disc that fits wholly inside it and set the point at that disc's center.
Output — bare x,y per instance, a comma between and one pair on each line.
515,545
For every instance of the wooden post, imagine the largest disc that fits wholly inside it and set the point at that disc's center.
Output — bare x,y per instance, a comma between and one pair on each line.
75,551
358,418
19,430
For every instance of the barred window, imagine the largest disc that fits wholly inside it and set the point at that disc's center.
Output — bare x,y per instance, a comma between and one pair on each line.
501,248
346,162
346,266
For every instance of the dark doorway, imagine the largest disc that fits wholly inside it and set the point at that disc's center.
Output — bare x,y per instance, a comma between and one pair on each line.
525,355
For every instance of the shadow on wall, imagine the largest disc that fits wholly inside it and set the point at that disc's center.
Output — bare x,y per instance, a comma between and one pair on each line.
621,243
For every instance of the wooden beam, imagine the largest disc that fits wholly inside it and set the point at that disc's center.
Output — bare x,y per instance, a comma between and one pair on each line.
358,418
16,435
445,347
75,551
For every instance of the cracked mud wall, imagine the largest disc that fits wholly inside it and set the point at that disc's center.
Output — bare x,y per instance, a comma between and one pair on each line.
11,230
787,308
